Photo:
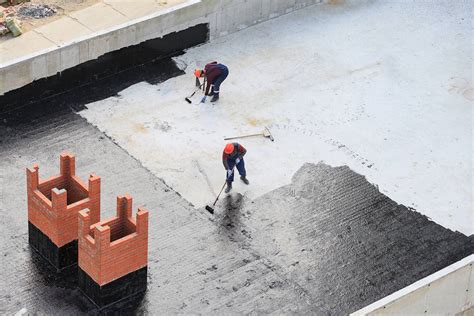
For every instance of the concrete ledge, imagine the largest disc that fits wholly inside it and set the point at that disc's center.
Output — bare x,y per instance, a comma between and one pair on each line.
59,52
447,292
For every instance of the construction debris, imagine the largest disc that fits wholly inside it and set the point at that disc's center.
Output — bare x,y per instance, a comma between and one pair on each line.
36,11
3,29
14,26
10,17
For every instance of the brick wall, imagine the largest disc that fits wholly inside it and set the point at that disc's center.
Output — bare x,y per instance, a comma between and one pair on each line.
53,204
115,247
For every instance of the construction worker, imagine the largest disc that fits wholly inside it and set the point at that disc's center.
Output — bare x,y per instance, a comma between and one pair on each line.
233,155
214,73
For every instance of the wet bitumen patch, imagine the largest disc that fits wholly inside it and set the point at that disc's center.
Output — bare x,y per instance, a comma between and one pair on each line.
328,243
345,243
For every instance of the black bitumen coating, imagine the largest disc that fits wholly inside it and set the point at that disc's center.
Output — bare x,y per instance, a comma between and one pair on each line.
328,243
345,243
103,77
58,257
123,288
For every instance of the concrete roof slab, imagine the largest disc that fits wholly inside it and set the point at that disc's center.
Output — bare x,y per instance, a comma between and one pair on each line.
99,17
64,30
331,100
136,9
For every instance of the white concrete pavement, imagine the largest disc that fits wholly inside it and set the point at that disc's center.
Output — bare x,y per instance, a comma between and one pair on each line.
383,87
74,26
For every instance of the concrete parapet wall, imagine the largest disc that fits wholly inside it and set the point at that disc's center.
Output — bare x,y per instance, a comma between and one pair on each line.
447,292
222,16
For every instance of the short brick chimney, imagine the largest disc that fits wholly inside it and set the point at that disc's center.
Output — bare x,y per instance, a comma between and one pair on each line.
53,206
113,254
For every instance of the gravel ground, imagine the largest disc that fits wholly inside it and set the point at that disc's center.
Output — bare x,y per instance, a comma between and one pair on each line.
36,11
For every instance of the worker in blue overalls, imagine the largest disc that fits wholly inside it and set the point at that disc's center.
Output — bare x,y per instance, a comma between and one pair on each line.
233,156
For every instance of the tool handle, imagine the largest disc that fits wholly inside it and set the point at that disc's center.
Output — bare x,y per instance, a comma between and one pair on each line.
227,138
217,198
195,91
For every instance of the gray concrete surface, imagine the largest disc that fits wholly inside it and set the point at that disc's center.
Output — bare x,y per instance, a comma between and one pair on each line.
343,84
328,243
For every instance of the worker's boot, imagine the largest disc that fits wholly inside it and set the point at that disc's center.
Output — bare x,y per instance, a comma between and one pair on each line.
229,187
244,179
215,97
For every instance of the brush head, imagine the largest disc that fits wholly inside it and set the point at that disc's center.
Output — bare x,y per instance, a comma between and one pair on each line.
187,100
209,209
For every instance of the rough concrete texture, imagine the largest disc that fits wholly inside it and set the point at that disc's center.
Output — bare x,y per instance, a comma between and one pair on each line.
387,98
325,241
329,243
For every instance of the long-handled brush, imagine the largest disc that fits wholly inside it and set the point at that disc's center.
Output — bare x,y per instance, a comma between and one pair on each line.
198,85
210,209
188,98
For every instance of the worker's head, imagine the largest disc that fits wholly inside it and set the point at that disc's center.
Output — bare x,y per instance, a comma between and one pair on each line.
199,73
229,148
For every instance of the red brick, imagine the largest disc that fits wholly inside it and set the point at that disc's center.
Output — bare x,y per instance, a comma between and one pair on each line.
53,204
114,247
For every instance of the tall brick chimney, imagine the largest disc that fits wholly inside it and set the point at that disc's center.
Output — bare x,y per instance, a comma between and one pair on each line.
53,205
113,254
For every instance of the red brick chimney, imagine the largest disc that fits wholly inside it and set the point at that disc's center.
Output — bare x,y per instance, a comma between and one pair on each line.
53,205
113,254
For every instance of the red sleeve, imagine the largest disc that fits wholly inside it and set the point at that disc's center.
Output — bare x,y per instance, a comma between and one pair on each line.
224,160
242,151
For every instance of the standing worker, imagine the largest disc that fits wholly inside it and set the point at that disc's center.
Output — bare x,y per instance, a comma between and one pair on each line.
232,156
214,74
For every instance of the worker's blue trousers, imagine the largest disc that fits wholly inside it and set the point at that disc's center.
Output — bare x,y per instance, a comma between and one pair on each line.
240,167
217,83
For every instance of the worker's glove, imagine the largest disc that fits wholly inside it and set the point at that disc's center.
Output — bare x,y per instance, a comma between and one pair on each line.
203,100
237,161
229,173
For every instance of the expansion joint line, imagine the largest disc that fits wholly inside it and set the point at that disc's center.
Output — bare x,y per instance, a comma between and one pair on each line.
108,4
75,19
45,37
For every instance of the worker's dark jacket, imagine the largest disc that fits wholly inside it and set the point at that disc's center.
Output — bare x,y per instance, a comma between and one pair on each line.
213,70
239,152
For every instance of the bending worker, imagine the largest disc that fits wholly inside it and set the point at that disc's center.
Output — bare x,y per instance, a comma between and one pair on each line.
232,156
214,74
